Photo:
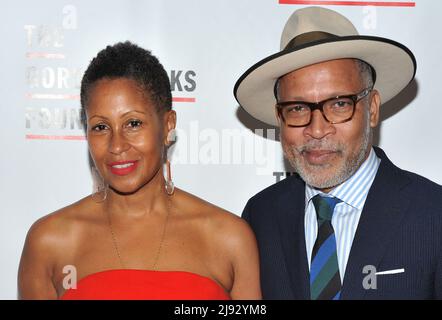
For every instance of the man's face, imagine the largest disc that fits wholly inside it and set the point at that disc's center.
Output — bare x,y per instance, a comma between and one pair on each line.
324,154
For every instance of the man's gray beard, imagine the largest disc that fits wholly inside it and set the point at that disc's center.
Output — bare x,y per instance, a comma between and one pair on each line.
311,174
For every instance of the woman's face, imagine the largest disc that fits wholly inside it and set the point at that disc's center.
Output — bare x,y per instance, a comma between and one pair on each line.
125,134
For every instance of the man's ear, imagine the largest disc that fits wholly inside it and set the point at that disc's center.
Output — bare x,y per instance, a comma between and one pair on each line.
278,118
375,104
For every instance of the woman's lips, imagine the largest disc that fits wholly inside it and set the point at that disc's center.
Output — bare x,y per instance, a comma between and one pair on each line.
122,168
319,156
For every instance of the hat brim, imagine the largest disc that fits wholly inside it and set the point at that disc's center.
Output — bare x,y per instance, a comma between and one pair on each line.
394,64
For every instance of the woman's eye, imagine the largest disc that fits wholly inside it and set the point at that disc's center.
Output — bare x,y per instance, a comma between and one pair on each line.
134,123
99,127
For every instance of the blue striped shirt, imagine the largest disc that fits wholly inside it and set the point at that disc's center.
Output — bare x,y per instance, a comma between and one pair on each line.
347,213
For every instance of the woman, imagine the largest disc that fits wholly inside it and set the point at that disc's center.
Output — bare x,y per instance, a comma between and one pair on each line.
138,238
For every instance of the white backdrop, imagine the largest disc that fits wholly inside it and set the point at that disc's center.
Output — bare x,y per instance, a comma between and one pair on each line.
221,154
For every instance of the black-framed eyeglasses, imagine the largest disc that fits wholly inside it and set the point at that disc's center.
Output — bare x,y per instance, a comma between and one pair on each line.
335,110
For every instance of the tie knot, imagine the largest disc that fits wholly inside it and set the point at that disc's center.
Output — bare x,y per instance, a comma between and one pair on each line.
325,206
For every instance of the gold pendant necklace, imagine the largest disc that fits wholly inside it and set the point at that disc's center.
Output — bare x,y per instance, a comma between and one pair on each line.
157,256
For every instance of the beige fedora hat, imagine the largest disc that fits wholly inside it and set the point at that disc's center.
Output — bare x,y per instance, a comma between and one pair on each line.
313,35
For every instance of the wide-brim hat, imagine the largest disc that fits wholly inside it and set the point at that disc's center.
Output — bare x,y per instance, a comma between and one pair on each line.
312,35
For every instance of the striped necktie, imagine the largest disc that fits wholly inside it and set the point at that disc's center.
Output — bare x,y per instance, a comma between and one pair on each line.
325,281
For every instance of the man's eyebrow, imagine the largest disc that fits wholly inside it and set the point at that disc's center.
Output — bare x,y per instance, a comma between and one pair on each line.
331,96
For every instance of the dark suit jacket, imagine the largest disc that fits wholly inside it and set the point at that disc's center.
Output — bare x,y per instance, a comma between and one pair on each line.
400,227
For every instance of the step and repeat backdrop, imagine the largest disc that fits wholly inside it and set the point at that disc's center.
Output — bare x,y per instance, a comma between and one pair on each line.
222,154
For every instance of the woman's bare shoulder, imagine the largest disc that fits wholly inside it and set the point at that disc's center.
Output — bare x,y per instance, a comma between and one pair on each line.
195,206
217,221
49,240
58,226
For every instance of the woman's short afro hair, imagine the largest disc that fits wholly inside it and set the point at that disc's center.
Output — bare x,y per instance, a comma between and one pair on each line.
127,60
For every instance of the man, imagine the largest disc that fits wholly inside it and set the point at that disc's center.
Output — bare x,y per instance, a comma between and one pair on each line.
350,224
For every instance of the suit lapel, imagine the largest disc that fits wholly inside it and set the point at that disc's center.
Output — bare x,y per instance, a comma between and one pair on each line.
382,215
291,227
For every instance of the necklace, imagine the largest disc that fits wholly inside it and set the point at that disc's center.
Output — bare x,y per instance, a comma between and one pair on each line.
163,234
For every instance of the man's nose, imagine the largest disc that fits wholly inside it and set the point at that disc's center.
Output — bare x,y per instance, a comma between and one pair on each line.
319,127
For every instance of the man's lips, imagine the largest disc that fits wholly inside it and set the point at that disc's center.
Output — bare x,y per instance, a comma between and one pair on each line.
122,168
318,156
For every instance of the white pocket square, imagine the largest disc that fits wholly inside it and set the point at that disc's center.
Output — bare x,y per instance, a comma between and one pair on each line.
395,271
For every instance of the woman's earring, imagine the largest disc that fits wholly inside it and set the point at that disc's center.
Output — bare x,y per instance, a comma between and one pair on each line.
171,136
170,187
100,189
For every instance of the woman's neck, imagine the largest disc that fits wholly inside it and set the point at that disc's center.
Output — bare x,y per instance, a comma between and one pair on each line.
149,199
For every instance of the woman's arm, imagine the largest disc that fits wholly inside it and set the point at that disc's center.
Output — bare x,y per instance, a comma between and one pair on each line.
35,271
245,261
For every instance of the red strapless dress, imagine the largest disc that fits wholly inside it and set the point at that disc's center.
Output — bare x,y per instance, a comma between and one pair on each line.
131,284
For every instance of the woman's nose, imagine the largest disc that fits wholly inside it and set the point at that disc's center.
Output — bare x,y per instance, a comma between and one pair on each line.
118,143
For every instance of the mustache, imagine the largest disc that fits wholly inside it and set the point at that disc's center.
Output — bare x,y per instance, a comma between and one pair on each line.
314,145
